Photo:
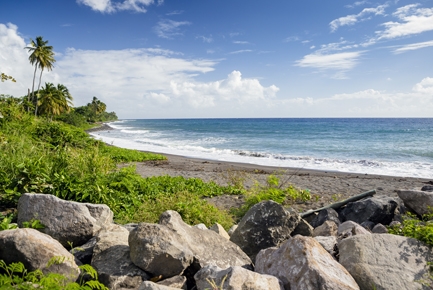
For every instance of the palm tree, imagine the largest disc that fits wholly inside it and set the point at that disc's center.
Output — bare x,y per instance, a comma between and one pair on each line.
41,56
54,100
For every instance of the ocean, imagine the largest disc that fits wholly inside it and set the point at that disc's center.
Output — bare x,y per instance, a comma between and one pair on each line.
395,147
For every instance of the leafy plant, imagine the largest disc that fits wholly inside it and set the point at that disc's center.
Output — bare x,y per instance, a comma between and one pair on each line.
33,224
6,223
15,276
412,226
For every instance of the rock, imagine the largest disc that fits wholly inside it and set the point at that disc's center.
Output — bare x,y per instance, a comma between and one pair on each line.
329,243
217,228
265,225
328,228
418,201
147,285
111,259
234,278
66,221
350,228
303,229
178,282
130,226
368,225
427,188
379,229
201,226
170,247
302,263
325,215
385,261
374,209
232,229
84,252
36,250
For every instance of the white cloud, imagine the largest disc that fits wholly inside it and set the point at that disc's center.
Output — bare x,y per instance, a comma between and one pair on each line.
241,42
234,88
413,46
425,86
413,20
206,39
14,61
109,6
176,12
358,3
169,28
240,51
291,38
341,62
354,18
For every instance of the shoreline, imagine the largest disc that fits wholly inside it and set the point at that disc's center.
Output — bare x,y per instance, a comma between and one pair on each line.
326,187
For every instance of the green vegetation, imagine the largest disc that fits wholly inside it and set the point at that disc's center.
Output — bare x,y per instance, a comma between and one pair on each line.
15,276
273,190
5,77
413,227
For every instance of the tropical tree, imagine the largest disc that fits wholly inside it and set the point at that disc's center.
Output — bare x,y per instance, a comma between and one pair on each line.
54,100
42,56
97,106
5,77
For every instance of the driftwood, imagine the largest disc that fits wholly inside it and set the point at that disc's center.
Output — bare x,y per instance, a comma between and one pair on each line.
340,203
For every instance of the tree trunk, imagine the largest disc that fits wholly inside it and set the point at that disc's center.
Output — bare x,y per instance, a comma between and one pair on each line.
34,78
340,203
36,100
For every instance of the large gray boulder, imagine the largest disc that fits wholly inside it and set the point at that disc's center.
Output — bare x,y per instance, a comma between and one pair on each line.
374,209
111,259
234,278
171,246
302,263
265,225
419,201
66,221
385,261
37,251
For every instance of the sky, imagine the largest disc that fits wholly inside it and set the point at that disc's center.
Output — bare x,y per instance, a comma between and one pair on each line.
152,59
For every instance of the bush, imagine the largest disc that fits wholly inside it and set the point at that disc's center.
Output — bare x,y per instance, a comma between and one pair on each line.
413,227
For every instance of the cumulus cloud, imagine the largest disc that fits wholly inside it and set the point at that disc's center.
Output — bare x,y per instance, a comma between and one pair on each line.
425,86
233,88
167,28
354,18
207,39
109,6
412,20
14,61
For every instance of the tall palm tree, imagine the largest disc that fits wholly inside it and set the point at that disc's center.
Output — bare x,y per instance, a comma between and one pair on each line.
54,100
41,56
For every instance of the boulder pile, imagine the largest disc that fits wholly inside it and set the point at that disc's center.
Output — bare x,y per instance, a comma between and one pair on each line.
272,247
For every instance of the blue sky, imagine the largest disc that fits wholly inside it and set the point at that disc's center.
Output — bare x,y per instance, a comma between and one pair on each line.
207,58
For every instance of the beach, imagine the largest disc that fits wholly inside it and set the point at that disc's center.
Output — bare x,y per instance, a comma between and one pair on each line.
326,187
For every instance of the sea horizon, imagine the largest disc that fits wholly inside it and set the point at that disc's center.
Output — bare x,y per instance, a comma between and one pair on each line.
382,146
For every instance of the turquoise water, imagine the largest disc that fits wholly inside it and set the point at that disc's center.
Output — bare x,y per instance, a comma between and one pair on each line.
398,147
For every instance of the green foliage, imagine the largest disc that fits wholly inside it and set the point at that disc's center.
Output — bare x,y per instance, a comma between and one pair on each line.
33,224
5,77
15,276
412,226
273,190
122,155
6,223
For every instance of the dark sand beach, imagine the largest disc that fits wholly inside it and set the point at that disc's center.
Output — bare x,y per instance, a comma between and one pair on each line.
326,187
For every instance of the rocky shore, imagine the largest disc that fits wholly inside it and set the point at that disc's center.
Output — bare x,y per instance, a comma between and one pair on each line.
272,247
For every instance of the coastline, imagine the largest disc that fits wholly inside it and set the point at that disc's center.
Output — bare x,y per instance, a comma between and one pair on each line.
328,186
